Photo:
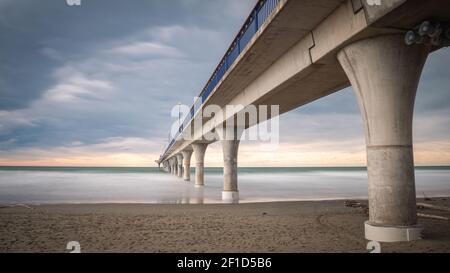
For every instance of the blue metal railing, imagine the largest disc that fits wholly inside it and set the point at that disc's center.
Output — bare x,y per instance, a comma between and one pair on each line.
257,18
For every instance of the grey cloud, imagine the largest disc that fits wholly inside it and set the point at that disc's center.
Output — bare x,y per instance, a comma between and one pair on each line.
108,69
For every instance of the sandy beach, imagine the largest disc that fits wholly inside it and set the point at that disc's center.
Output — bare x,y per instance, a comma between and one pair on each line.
322,226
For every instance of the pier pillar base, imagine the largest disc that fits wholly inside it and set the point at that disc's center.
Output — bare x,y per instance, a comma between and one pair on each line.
230,197
390,234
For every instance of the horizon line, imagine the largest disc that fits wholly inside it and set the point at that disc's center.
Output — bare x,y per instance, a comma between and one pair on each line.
12,166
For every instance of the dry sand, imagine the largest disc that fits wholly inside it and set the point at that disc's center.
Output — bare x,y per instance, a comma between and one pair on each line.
325,226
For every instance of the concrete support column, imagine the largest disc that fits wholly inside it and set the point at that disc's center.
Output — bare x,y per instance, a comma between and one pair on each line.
179,165
230,178
230,138
199,153
174,166
187,164
385,73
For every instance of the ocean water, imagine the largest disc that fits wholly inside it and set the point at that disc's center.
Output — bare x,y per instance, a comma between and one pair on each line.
48,185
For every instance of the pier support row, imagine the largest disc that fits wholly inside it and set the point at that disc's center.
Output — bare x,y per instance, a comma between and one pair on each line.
180,164
230,139
385,73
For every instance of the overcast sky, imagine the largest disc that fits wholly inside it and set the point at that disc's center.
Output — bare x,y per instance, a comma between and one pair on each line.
94,86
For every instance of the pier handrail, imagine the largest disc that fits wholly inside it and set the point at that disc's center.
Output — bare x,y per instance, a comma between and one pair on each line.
253,23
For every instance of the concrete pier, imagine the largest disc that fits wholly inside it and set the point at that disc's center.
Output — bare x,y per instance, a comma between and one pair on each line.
305,64
230,139
179,165
230,192
187,154
174,166
199,153
384,73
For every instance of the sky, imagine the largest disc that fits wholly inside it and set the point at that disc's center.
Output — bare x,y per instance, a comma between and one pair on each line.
95,85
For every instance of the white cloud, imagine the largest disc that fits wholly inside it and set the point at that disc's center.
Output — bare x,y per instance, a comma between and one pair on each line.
148,49
71,88
16,118
76,88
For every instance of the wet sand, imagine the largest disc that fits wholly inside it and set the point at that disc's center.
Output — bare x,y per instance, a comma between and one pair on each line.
322,226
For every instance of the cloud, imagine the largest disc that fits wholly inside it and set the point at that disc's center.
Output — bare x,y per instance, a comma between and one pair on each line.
7,143
78,90
148,49
109,152
52,53
120,79
183,36
71,88
12,119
